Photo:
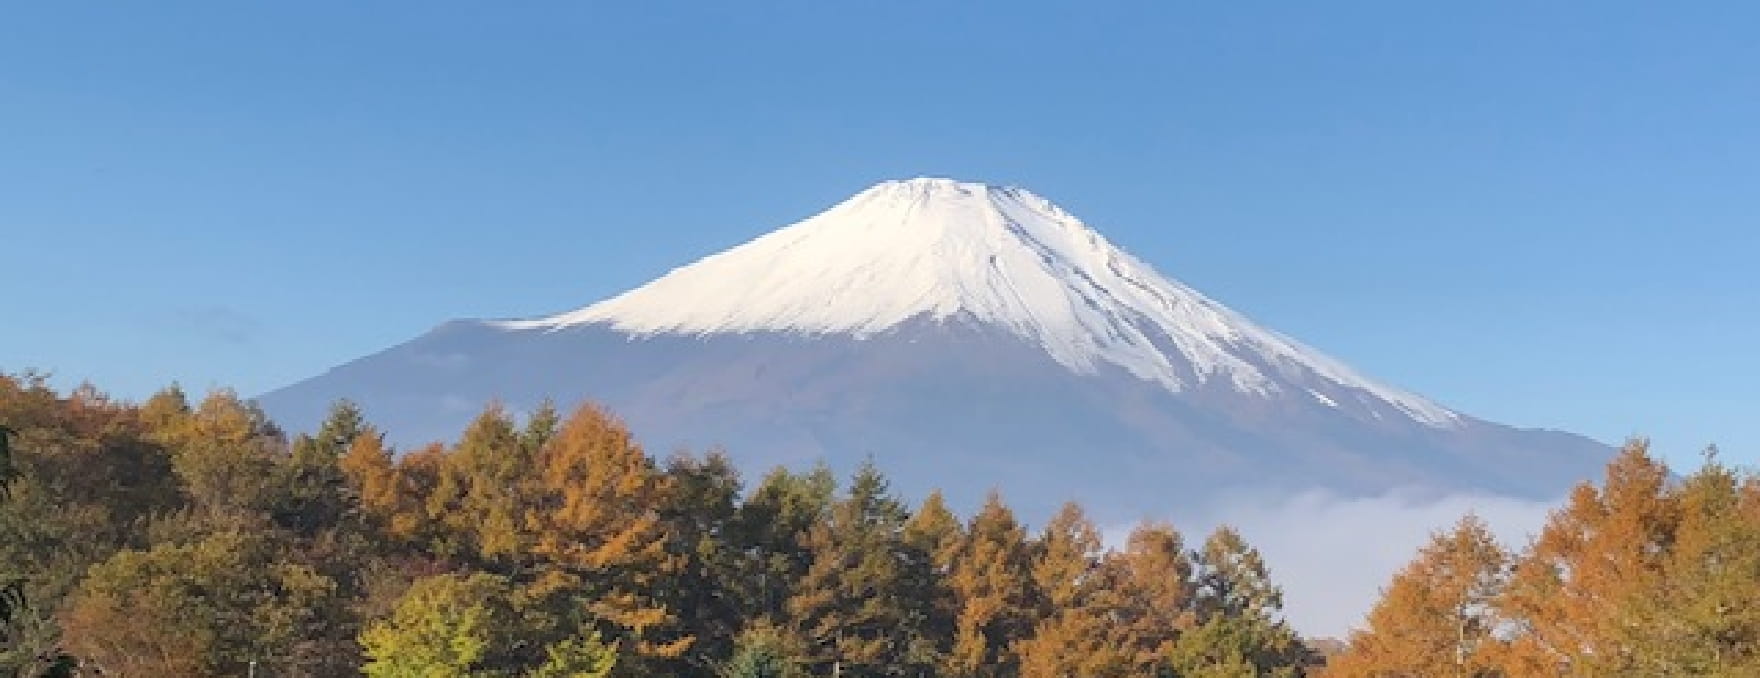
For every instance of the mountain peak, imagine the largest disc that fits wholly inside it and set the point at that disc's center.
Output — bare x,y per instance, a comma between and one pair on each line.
941,250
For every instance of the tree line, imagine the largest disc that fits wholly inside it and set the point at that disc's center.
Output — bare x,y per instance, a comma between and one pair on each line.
1646,575
180,538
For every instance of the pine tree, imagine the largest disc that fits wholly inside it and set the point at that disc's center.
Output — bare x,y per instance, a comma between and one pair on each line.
1239,630
852,613
314,488
540,427
1436,618
772,529
711,588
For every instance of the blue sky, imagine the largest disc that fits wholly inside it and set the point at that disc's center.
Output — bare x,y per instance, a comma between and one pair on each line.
1539,215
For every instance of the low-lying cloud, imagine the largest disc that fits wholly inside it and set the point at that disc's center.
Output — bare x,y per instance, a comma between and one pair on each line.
1333,554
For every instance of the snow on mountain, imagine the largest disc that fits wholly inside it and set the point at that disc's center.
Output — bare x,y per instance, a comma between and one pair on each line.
966,337
999,256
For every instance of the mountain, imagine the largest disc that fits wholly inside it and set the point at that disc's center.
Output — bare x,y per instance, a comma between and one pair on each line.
965,336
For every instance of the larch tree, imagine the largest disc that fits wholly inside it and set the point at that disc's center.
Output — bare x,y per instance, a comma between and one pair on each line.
226,458
1437,617
1072,636
599,530
482,486
370,472
1704,617
992,582
1572,594
1146,592
934,539
417,476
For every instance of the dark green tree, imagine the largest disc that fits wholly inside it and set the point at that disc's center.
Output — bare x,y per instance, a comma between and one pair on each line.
1239,627
711,589
315,493
854,612
772,529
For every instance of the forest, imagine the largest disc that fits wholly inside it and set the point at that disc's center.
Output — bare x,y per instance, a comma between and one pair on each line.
173,537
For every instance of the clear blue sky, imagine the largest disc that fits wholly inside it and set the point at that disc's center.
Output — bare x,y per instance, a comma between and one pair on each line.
1539,213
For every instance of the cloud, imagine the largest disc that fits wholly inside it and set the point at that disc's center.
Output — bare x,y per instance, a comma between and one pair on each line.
221,324
1333,554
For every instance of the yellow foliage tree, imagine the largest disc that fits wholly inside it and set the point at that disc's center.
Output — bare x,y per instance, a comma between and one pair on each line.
1571,597
598,528
992,582
1436,618
1072,638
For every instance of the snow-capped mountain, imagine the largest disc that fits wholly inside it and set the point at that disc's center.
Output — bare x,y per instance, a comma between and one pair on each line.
965,335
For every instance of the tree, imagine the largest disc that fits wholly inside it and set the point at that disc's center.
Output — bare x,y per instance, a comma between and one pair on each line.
993,584
85,478
1573,590
407,517
167,415
314,489
1145,593
1072,636
12,599
933,540
370,472
711,589
446,626
761,652
578,657
8,469
540,427
598,528
852,612
1436,618
204,608
937,532
480,490
1704,617
1239,631
772,528
226,458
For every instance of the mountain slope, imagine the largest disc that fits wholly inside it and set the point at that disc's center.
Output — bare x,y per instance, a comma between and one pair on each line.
966,336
